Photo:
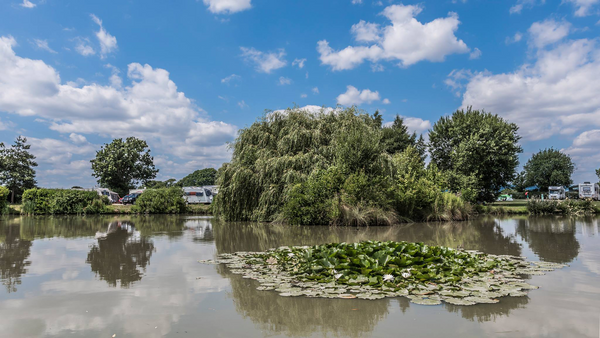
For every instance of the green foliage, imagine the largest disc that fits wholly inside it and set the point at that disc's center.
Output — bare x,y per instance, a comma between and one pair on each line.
198,178
4,192
160,184
539,207
449,207
598,173
520,183
549,167
123,165
16,167
479,144
58,201
160,201
339,167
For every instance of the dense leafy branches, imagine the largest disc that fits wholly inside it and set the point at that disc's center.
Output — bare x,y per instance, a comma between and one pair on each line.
549,167
200,177
123,165
478,144
16,167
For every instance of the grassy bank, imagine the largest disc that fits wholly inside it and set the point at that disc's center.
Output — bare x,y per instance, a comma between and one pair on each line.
518,207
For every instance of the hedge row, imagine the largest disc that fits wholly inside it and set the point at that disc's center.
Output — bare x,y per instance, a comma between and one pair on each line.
61,201
161,201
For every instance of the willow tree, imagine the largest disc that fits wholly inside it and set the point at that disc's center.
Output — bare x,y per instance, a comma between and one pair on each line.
283,149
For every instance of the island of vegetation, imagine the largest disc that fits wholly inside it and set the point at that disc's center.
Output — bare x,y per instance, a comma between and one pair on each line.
371,270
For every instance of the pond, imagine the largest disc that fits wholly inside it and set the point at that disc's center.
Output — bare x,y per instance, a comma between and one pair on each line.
140,277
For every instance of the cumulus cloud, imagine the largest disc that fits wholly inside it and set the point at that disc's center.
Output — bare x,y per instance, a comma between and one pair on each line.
583,7
353,96
230,78
386,101
516,38
547,32
27,4
43,44
227,6
299,63
149,107
83,47
517,8
284,81
108,43
475,54
265,62
414,124
405,40
557,94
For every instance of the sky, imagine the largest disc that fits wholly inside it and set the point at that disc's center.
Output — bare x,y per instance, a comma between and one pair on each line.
187,75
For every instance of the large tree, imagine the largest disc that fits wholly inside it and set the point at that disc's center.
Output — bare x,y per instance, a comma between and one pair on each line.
201,177
549,167
396,137
478,144
16,167
598,173
123,165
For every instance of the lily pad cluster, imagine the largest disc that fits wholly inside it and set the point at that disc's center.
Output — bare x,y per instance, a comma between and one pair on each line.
372,270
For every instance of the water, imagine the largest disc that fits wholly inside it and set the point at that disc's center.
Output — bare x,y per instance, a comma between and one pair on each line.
139,277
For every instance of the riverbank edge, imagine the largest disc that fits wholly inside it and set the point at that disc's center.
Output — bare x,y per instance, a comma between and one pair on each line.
120,209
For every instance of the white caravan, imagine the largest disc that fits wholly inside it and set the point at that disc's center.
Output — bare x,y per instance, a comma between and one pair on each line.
113,197
197,195
556,193
589,190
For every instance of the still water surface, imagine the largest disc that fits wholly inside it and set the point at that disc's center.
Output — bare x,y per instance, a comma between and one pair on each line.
139,277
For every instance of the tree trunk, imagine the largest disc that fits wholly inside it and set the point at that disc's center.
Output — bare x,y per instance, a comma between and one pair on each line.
12,197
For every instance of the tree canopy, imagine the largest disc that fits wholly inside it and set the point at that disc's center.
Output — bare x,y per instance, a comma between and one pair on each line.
549,167
123,165
476,144
200,177
337,167
17,165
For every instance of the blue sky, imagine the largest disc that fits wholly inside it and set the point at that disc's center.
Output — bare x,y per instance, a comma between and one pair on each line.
186,75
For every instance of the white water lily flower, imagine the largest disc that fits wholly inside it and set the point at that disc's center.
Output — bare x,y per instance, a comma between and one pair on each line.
337,276
406,274
387,278
291,254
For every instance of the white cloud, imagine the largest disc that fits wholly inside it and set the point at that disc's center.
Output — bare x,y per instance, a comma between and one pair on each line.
315,90
83,47
242,104
547,32
475,54
231,78
457,79
414,124
366,31
406,40
353,96
386,101
264,62
299,63
583,7
557,94
28,4
356,2
43,44
516,38
227,6
518,7
303,96
77,139
284,81
150,107
108,43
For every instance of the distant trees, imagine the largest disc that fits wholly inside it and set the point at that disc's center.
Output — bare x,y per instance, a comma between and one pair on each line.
598,173
17,165
201,177
478,145
549,167
123,165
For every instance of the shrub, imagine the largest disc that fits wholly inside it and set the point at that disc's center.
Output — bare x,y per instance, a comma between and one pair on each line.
539,207
4,200
58,201
160,201
449,207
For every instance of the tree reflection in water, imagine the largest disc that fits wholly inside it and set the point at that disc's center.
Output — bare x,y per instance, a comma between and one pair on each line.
13,256
121,255
552,239
302,316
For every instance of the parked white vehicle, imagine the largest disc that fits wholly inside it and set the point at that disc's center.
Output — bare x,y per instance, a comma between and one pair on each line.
197,195
589,190
113,197
556,193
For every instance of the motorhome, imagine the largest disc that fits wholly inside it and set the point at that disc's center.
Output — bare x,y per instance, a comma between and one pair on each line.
556,193
589,190
197,195
113,197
